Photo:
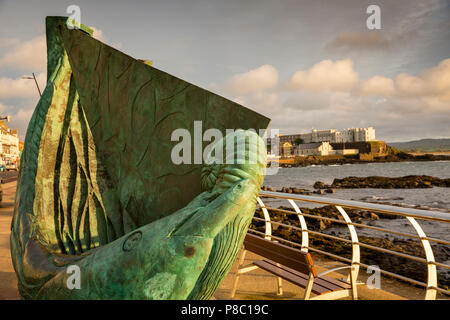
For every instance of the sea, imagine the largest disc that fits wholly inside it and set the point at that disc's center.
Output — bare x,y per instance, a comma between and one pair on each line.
436,198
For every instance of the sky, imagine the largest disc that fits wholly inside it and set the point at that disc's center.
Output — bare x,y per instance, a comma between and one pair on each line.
304,64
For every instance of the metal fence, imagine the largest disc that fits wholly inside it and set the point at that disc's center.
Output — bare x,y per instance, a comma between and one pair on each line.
411,215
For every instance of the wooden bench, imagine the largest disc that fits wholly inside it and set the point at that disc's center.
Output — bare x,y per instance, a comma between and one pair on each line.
295,266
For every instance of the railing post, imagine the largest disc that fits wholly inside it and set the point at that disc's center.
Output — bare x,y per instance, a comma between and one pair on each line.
268,236
268,229
355,252
431,267
305,237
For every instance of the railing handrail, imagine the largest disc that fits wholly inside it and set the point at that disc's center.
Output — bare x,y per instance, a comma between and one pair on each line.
365,226
375,207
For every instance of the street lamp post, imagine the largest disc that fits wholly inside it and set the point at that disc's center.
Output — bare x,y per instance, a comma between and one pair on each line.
37,85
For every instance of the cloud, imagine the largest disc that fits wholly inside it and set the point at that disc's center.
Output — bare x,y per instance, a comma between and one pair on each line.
20,120
28,55
326,76
264,101
20,117
307,101
431,83
378,86
369,40
31,55
21,88
359,40
99,35
264,77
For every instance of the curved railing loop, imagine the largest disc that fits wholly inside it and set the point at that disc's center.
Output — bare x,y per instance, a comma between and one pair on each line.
303,226
353,275
268,226
432,283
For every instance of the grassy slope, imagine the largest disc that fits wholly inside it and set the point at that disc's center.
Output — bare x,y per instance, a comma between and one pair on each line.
425,145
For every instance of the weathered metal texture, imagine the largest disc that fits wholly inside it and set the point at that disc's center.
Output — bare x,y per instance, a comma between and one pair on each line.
97,187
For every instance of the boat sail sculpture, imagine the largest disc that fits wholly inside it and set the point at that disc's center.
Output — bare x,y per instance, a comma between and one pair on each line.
97,191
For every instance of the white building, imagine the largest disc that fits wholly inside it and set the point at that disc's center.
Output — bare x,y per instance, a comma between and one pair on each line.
314,149
332,135
9,144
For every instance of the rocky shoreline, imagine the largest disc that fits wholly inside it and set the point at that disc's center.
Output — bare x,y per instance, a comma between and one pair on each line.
406,267
354,159
295,190
406,182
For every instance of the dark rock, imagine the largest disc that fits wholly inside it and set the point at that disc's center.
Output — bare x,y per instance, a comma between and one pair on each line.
405,182
320,185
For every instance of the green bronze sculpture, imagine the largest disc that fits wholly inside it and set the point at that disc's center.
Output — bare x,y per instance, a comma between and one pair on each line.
97,189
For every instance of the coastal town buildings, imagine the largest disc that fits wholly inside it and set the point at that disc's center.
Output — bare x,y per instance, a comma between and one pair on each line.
9,144
331,135
330,142
314,149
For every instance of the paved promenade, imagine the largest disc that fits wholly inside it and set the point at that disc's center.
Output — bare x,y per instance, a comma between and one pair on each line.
257,284
8,279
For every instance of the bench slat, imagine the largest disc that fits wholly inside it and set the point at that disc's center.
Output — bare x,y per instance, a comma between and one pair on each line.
290,257
331,283
325,283
289,275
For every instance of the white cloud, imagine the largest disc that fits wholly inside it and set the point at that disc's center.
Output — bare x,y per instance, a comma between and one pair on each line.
99,35
326,76
21,88
28,55
20,117
432,83
263,101
378,86
264,77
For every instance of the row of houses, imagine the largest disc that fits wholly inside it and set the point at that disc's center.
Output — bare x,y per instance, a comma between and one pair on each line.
9,144
313,149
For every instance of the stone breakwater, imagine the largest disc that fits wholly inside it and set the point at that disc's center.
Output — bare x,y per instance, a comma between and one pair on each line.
406,182
399,265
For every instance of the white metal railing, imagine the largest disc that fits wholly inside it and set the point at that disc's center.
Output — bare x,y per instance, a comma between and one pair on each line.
411,216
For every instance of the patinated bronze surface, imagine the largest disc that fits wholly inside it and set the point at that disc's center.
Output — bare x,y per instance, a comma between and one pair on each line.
97,188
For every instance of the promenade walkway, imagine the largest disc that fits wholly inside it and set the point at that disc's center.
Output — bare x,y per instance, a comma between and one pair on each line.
257,284
8,279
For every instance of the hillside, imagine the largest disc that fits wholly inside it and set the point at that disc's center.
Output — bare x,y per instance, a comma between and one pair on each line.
424,145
